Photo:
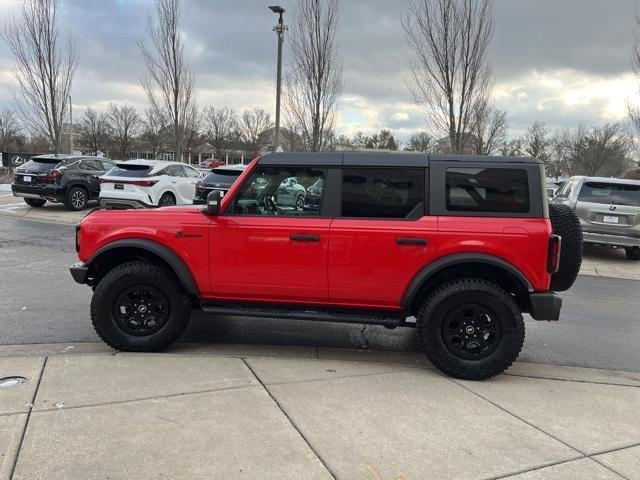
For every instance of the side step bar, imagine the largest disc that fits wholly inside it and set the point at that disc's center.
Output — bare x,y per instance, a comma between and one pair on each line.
387,319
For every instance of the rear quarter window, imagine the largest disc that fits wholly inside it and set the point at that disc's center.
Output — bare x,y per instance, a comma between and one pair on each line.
490,190
130,171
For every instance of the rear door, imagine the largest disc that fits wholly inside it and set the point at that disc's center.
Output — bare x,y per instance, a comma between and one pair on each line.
264,251
90,171
382,237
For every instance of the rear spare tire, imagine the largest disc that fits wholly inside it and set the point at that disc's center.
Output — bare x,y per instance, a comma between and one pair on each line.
566,223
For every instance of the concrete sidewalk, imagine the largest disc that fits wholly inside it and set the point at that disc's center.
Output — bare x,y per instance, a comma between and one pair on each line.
259,412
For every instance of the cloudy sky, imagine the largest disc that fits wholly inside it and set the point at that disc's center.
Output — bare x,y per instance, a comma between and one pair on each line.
557,61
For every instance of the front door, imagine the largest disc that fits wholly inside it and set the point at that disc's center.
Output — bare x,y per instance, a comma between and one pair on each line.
262,250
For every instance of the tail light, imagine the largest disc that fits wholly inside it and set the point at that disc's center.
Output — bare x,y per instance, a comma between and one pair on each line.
137,183
200,187
553,255
52,175
77,237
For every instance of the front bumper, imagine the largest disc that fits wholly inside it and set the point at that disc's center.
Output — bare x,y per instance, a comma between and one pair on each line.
79,272
51,193
608,239
545,306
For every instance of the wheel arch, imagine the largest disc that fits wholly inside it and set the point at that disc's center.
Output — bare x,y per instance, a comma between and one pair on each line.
122,251
477,265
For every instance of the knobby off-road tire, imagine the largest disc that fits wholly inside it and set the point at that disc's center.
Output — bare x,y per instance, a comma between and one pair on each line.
501,314
35,202
118,288
566,223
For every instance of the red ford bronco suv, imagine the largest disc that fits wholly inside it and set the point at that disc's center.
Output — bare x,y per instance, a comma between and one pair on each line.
464,244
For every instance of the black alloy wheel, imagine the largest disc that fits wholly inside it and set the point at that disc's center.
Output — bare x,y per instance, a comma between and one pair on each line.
141,310
471,331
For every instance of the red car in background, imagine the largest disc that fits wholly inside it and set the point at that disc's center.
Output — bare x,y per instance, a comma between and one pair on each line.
212,163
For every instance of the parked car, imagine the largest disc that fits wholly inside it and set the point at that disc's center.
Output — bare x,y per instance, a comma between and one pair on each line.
465,249
220,179
211,163
608,208
290,194
148,183
69,179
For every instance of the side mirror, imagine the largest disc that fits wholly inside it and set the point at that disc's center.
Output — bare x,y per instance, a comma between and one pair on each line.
213,202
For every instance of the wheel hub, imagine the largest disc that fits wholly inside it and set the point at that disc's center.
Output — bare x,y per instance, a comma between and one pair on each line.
141,310
471,331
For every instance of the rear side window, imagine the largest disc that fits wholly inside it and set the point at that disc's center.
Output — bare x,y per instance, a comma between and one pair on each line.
130,171
222,176
383,192
610,193
490,190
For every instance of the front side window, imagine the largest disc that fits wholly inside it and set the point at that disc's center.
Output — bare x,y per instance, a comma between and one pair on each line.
282,191
490,190
382,193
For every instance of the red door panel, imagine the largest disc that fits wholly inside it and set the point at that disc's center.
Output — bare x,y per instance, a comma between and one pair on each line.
371,262
269,258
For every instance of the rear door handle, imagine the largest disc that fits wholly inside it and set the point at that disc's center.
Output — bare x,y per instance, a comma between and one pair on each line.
296,237
411,241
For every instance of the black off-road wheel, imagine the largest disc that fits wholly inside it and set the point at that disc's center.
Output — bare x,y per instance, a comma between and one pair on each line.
77,199
35,202
139,307
566,223
633,253
470,329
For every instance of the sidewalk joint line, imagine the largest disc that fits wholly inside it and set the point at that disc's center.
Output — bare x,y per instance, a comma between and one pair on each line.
145,399
310,380
26,423
291,422
592,382
536,468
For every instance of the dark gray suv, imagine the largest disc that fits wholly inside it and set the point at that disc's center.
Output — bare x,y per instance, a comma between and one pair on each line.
608,208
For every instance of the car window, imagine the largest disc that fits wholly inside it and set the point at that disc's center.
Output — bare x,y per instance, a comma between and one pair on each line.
106,165
382,193
566,189
610,193
191,172
175,171
91,165
280,191
491,190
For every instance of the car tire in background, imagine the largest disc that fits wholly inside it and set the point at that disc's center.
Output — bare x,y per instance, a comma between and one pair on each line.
139,307
167,200
77,199
566,223
633,253
35,202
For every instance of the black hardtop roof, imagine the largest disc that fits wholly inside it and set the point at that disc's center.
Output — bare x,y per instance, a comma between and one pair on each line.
381,159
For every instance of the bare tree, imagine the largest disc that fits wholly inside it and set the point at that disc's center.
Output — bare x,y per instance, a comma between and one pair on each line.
602,151
95,131
9,128
314,82
153,131
489,128
125,127
420,142
536,141
633,109
219,124
44,69
450,73
169,81
254,125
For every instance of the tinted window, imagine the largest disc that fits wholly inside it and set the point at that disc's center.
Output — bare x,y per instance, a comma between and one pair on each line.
610,193
491,190
191,172
280,191
106,165
90,165
222,176
382,193
40,164
130,171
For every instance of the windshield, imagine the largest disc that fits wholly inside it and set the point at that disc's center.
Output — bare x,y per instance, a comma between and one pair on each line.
222,176
129,171
610,193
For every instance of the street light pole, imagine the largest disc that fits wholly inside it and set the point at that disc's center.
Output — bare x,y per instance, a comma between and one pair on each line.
70,126
280,28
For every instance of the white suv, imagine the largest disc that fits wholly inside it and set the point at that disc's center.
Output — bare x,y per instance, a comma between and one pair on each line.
148,183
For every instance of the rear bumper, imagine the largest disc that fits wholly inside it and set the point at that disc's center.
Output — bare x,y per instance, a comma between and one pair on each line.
122,203
608,239
545,306
52,193
79,272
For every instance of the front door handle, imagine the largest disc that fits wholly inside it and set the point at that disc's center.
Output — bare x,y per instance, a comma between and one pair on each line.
411,241
296,237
